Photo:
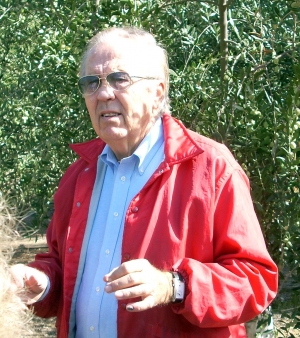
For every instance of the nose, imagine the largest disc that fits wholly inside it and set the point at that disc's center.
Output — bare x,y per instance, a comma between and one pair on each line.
105,92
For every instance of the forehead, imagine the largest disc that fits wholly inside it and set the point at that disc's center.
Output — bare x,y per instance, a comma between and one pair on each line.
119,54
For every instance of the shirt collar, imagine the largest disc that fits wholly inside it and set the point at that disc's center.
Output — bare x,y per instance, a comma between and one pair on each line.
152,140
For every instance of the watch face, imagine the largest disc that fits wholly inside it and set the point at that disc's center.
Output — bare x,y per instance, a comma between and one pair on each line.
179,288
180,291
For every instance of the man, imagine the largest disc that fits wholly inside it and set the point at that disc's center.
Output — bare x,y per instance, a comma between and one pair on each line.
154,232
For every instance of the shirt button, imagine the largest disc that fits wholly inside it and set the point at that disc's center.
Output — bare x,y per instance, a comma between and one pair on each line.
70,249
78,204
92,328
86,169
106,251
116,214
123,178
98,288
160,171
135,209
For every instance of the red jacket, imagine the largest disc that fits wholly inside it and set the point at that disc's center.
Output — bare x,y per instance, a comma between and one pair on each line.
195,216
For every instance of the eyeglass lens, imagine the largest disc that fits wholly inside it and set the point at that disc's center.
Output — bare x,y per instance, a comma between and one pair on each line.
118,81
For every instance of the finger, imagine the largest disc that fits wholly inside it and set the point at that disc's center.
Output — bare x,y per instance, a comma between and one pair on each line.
126,281
36,281
126,268
142,290
143,305
106,278
28,297
32,291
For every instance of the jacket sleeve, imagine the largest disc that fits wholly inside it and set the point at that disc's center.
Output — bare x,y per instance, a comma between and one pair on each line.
50,264
241,281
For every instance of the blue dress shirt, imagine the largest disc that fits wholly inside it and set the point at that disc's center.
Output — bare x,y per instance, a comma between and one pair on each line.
96,311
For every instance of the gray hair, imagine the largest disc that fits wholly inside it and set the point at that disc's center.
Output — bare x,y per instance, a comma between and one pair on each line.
145,41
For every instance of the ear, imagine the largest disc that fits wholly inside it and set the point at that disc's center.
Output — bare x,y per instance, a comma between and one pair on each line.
159,94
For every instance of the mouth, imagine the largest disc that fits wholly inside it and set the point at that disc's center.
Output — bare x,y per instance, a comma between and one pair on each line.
110,115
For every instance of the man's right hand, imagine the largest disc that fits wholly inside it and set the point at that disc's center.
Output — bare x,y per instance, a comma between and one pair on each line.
31,281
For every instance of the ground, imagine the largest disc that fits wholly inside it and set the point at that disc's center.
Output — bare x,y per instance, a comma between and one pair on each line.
25,250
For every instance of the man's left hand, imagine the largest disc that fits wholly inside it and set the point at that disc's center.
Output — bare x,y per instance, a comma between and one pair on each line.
138,278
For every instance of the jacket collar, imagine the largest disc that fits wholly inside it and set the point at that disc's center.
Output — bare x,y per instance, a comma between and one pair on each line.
89,150
180,143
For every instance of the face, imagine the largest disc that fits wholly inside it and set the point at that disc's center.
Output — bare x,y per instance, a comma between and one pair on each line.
122,118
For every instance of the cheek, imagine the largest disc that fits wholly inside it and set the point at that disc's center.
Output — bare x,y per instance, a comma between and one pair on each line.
89,104
91,108
137,104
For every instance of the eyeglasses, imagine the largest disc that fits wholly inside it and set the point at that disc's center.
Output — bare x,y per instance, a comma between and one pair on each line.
89,84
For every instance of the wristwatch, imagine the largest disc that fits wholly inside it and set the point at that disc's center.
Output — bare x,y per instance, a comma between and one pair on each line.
178,288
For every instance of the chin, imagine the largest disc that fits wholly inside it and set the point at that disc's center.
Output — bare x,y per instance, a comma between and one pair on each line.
114,134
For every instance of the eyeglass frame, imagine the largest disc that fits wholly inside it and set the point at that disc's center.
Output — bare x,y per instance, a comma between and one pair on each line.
105,78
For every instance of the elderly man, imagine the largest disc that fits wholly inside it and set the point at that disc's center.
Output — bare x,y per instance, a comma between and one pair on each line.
154,232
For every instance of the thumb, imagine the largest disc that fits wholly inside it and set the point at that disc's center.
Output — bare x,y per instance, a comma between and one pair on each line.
36,283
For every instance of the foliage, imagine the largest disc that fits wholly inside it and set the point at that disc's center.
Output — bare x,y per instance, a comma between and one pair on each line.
255,110
40,107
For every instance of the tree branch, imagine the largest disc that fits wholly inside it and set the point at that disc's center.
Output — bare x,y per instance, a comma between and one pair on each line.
223,38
